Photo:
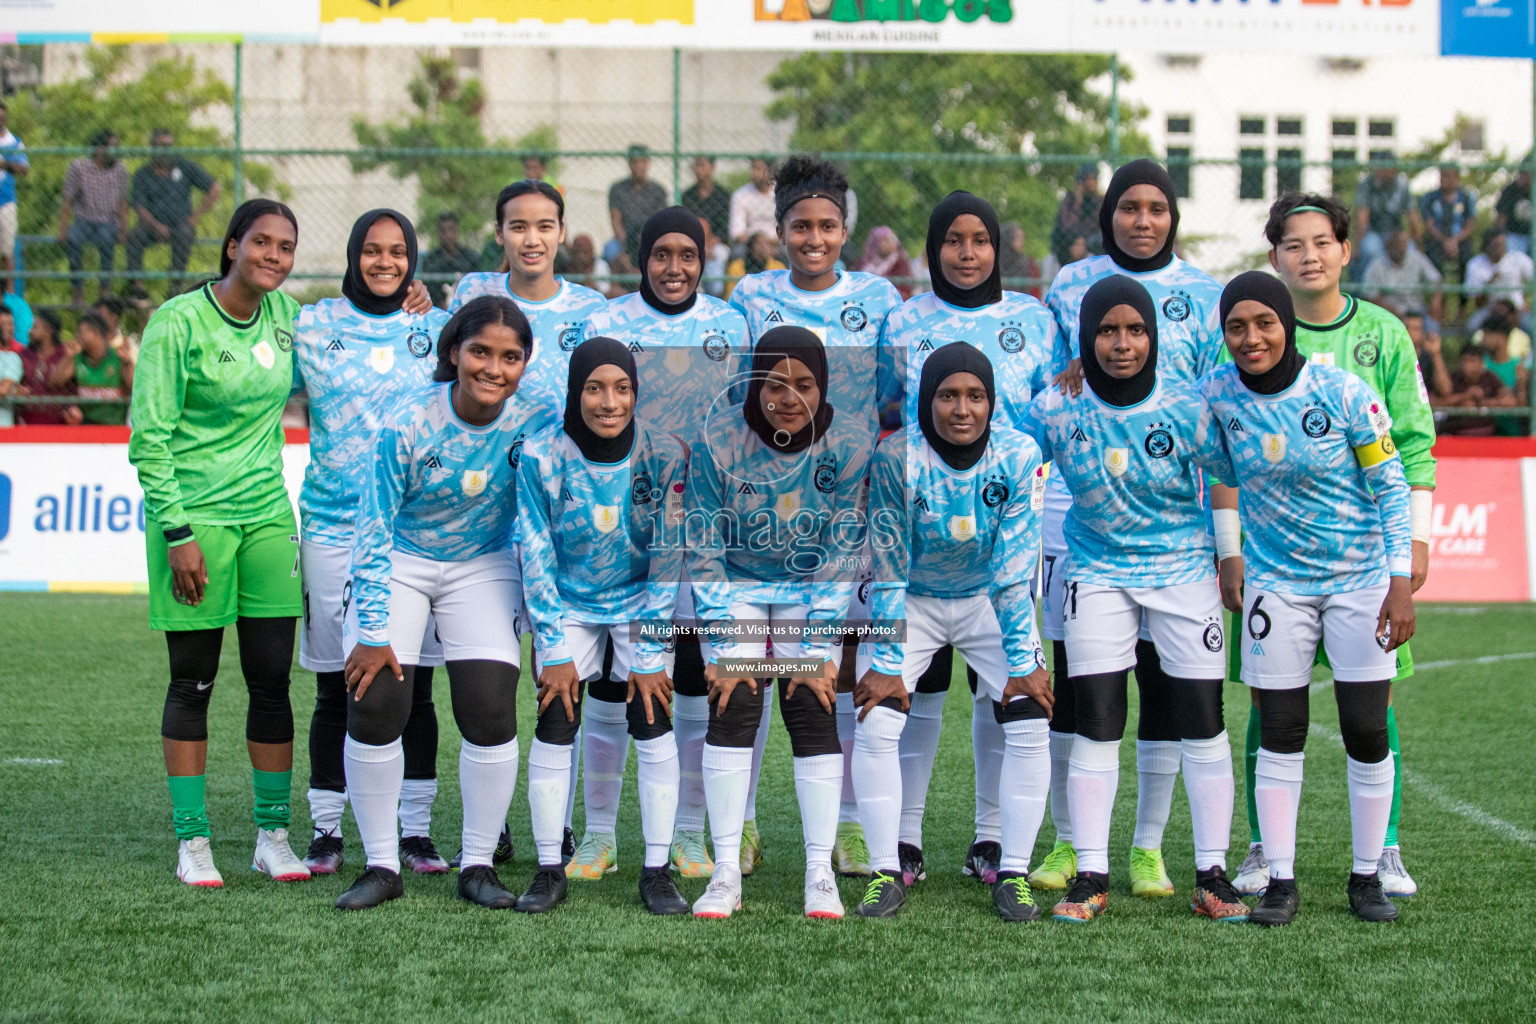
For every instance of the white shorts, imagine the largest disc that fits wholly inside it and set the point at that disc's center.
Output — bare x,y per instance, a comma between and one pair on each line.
476,604
327,572
1103,624
969,624
587,643
774,615
1281,633
8,230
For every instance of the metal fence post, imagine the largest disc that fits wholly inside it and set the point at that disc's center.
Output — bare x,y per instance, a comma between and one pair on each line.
239,141
1114,111
677,124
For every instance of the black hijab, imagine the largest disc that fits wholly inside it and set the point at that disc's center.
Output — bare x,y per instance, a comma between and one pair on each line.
1269,291
355,288
949,209
1105,295
665,222
1138,172
772,348
956,357
585,358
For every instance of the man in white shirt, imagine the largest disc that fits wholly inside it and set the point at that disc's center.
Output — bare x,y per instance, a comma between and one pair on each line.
1498,272
752,205
1398,277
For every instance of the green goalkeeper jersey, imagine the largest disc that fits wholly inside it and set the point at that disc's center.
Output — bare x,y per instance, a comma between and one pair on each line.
208,397
1372,343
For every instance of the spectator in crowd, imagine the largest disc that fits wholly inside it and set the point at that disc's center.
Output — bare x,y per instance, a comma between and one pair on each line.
1519,338
111,309
707,199
1472,385
94,210
10,367
1512,211
632,201
1449,213
1400,278
162,197
448,258
1511,370
762,254
885,257
1383,208
97,372
1015,262
1498,272
752,205
20,310
717,256
46,370
1437,380
1078,218
536,168
592,270
13,165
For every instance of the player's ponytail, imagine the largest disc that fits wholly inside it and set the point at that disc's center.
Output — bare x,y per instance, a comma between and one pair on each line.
473,318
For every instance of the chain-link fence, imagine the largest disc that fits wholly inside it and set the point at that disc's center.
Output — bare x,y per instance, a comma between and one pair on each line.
138,154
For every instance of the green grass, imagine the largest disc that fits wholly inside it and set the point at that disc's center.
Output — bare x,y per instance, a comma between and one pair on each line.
94,926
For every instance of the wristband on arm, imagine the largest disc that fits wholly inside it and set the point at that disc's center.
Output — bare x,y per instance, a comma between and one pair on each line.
1229,533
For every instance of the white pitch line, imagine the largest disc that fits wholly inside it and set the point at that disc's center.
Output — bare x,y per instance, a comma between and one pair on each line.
1487,659
33,760
1453,804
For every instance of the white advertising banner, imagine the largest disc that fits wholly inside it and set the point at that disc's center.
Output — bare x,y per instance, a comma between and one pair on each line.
72,516
269,19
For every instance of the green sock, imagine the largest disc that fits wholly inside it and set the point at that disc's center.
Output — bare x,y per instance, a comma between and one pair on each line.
272,791
1397,776
1251,766
189,813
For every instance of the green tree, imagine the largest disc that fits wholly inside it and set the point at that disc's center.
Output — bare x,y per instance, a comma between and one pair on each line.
952,105
169,93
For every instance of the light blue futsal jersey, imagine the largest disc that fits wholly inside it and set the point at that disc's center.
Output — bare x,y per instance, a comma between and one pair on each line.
685,365
356,368
766,527
850,319
1137,517
946,533
559,324
1188,302
1324,500
1017,334
594,544
441,489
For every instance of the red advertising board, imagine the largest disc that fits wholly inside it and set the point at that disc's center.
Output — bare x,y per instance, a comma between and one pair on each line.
1478,542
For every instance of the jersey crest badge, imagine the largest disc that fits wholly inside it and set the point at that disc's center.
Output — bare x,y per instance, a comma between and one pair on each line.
854,318
419,343
1117,461
284,339
1367,352
1273,447
1159,443
677,361
786,505
1315,422
381,358
605,517
1010,339
264,355
826,476
473,482
570,337
1176,307
994,493
716,348
962,528
640,490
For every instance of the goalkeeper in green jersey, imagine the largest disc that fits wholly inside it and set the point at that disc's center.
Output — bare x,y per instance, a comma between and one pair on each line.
1309,247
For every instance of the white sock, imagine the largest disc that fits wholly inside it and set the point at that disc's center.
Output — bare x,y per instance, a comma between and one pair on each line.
1209,785
1061,756
573,783
325,807
1024,781
416,796
1370,804
690,721
1157,768
759,744
549,783
847,725
604,750
727,773
487,779
1277,793
657,776
919,746
987,746
819,787
1092,779
374,775
877,779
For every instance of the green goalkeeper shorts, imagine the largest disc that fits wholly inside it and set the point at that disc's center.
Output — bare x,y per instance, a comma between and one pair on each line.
253,572
1235,653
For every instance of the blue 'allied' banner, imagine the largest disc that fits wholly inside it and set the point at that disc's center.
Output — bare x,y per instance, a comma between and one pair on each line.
1488,28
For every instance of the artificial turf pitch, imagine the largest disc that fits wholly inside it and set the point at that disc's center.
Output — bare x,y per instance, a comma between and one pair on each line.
95,927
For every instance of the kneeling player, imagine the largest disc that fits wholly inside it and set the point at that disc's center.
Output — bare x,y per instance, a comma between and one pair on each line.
1137,551
955,505
1328,557
593,497
433,538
